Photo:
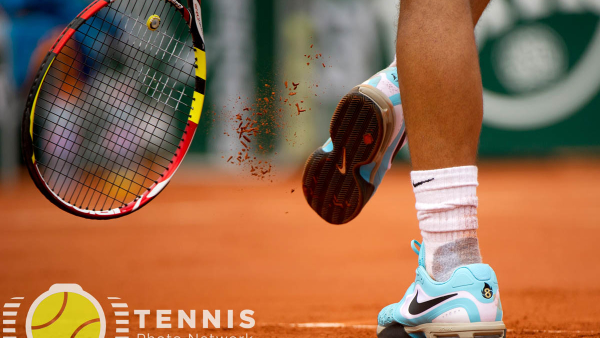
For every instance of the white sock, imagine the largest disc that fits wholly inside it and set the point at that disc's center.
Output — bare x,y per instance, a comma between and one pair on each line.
447,212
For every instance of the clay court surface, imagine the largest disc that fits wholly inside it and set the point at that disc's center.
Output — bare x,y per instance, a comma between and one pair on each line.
212,243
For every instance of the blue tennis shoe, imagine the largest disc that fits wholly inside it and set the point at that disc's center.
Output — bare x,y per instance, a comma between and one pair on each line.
465,306
367,131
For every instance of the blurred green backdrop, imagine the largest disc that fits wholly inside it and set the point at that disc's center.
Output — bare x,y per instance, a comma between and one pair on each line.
540,62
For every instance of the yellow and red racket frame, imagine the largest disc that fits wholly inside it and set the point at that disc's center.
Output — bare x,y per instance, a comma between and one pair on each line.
193,17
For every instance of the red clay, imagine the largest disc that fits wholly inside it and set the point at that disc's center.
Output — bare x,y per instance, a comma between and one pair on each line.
217,245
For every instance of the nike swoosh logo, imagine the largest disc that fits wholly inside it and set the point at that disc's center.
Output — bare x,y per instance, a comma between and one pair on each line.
342,169
416,308
422,182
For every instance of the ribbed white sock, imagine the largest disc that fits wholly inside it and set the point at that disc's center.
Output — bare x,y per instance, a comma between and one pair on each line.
447,212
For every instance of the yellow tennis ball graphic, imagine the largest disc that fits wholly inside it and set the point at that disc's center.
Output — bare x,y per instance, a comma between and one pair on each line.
65,311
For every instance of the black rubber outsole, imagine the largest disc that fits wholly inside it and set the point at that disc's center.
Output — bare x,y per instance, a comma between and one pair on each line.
332,184
397,331
393,331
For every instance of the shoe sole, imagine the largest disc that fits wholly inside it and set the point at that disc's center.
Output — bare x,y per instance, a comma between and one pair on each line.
434,330
332,184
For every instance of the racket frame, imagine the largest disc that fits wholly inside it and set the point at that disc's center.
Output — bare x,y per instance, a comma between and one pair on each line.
193,17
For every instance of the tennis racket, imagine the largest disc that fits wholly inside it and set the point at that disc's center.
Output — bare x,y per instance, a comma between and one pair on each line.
115,105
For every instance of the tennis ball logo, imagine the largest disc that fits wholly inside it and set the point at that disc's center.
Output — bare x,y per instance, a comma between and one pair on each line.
65,311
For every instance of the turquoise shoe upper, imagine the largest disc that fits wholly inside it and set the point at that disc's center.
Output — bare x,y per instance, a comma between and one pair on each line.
470,295
390,74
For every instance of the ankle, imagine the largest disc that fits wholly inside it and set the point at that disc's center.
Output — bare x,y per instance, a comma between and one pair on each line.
446,203
447,252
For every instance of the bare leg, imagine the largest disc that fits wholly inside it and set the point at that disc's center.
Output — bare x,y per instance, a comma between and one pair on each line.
477,8
440,81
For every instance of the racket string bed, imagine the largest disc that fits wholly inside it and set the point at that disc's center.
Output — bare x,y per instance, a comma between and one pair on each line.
97,107
121,101
111,182
136,88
